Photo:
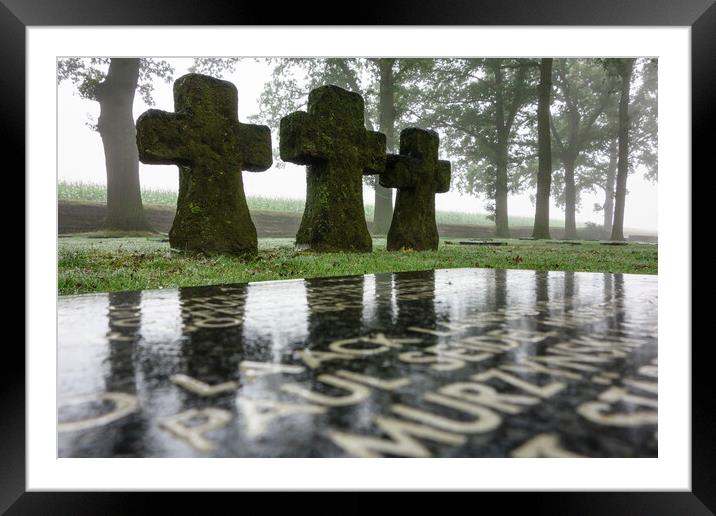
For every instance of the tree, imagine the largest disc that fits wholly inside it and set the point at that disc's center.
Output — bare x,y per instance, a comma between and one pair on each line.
544,174
624,68
478,104
214,66
641,140
113,82
381,83
505,112
643,118
115,95
114,89
383,212
584,91
599,166
606,182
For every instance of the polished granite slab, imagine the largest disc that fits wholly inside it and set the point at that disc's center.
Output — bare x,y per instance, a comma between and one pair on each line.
444,363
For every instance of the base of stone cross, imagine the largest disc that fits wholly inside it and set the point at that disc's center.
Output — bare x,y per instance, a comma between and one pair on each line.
323,247
439,363
236,239
419,239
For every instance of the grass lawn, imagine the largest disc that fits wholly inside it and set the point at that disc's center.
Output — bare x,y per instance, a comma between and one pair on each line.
113,264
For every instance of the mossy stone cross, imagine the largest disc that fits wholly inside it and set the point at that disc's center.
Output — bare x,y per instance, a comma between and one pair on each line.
418,175
205,139
331,139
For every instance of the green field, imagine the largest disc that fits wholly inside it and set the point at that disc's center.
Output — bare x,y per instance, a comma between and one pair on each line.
77,191
113,264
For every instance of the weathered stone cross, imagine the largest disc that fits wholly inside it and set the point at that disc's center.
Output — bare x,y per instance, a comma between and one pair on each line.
211,147
331,139
418,175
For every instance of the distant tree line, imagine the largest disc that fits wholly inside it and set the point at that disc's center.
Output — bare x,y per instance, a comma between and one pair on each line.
559,127
555,127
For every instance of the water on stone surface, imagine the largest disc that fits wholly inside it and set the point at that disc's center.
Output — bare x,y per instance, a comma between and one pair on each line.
444,363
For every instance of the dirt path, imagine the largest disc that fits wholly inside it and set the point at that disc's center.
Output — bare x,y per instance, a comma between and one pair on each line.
84,216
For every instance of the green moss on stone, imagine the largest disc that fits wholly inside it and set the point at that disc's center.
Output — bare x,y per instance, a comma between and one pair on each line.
205,139
332,141
418,175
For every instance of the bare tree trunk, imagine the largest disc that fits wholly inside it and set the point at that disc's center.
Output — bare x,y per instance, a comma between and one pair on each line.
384,196
609,188
502,228
570,200
544,174
116,127
626,69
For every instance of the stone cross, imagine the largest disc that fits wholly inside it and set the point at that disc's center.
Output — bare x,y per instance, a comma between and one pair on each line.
205,139
331,139
418,175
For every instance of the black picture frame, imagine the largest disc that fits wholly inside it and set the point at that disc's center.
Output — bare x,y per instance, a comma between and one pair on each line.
700,15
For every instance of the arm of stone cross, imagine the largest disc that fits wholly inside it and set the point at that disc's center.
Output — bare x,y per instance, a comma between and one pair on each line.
161,138
299,138
442,177
400,171
255,142
375,153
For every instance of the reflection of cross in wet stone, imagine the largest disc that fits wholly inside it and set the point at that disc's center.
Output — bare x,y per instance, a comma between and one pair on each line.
418,175
212,344
331,139
211,147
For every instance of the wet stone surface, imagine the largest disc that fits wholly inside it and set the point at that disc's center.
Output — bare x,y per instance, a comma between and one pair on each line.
446,363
